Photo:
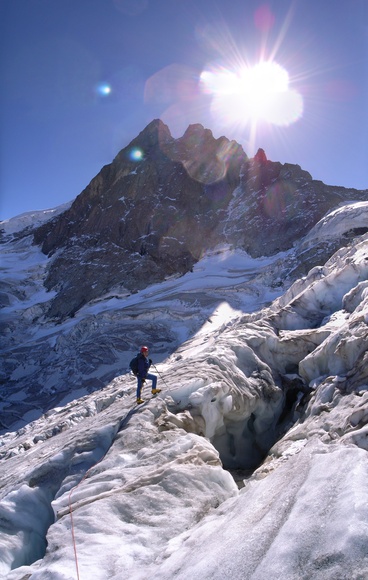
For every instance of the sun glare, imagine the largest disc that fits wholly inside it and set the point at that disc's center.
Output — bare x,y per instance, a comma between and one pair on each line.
253,94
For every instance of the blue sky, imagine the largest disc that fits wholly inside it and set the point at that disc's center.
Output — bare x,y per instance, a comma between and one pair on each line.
81,78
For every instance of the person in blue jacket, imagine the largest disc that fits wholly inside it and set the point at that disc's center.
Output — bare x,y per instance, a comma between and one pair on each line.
144,364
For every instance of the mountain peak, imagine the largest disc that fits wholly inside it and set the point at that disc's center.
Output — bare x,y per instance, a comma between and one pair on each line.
260,156
198,130
148,216
155,132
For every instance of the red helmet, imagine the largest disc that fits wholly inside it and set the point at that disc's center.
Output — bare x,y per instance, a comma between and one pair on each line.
144,349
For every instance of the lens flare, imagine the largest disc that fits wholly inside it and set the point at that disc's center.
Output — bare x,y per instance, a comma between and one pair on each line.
264,18
104,89
136,154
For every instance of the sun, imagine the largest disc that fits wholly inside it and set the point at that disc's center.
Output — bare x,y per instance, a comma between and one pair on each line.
253,94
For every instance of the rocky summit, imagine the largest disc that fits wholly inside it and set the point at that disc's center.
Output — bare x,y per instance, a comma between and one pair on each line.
85,283
163,202
248,281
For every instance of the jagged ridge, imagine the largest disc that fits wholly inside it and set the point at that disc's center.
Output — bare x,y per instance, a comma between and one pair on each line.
139,221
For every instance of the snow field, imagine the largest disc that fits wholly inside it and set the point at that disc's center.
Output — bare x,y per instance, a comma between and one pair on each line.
146,485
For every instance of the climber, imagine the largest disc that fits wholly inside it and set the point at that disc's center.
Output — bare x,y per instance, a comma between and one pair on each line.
144,364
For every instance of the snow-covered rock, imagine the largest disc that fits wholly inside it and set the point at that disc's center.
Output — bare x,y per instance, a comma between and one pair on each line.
143,219
262,384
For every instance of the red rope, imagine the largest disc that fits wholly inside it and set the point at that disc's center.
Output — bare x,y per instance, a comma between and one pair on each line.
71,512
75,487
73,537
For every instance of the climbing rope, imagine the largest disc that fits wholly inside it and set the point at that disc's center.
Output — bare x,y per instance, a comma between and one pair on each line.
72,521
122,423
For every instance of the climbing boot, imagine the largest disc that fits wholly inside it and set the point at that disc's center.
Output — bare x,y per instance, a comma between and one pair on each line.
155,391
139,401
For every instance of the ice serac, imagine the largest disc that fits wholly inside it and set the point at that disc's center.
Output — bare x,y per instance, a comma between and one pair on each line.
278,396
146,217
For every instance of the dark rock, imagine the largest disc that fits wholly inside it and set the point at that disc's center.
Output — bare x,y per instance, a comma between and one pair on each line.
148,216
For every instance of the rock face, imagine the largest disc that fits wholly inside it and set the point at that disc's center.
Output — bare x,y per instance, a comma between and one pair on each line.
163,202
279,396
263,369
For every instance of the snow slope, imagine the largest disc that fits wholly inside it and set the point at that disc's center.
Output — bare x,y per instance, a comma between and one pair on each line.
276,393
101,337
31,219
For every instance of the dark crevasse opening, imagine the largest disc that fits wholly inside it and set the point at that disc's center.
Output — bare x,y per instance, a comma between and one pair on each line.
28,512
243,445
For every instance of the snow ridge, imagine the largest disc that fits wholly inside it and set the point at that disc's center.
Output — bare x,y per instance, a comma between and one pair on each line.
262,384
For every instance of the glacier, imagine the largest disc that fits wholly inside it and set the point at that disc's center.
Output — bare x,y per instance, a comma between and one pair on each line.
252,461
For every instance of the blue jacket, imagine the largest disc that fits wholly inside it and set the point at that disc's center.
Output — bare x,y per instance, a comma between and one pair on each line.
143,365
